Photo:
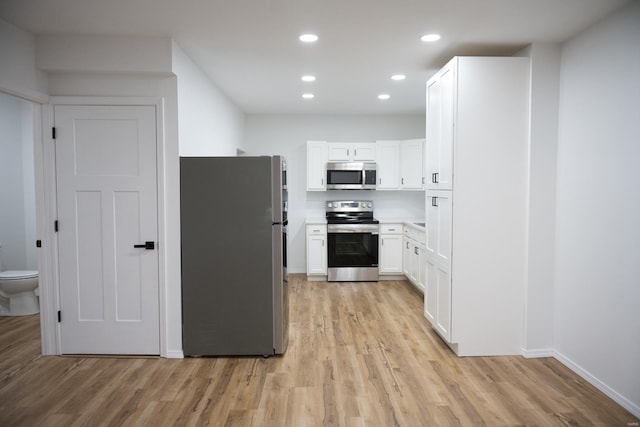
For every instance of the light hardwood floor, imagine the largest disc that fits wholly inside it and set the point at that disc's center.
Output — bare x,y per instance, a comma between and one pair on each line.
360,354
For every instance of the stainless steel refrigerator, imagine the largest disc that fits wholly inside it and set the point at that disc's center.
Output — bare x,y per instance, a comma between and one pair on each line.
233,235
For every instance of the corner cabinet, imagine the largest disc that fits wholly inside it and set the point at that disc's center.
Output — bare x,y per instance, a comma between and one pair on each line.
400,165
316,250
476,206
316,165
412,164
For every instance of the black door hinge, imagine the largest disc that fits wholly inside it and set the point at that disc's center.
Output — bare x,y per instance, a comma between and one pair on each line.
38,243
53,133
59,316
55,225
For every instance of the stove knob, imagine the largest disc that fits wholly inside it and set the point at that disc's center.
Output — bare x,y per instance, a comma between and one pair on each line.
368,205
329,205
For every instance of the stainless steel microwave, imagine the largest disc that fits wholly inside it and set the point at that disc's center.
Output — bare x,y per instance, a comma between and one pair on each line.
351,176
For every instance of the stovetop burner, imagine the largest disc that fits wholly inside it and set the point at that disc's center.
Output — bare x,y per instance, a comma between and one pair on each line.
350,212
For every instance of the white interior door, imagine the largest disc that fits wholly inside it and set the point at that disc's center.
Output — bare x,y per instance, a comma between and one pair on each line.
107,203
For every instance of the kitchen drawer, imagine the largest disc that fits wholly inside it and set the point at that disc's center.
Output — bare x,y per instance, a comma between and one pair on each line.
315,229
415,234
390,228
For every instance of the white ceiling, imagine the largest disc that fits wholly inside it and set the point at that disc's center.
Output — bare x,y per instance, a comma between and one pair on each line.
250,48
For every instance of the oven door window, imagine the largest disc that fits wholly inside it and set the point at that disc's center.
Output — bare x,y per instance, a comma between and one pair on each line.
352,250
344,177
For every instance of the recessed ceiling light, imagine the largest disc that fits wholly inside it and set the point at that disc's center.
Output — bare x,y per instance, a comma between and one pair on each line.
430,37
308,38
384,96
398,77
308,78
308,95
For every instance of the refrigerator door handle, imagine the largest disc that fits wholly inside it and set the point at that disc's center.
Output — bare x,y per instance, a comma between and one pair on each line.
279,321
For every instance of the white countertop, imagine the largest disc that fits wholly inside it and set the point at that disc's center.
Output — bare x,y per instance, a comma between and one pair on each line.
315,221
409,222
405,221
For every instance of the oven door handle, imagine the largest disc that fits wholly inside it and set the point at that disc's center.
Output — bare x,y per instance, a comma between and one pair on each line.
352,228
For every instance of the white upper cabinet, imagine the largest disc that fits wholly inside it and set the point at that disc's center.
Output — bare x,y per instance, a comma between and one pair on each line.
411,164
441,94
351,152
400,164
316,165
388,165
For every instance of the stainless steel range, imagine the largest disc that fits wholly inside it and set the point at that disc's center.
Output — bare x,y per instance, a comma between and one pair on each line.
352,236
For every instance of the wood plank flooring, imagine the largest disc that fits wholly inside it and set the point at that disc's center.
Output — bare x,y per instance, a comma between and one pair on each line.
360,354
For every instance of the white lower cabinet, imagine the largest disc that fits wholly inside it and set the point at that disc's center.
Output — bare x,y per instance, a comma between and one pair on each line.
437,297
316,250
390,250
413,257
430,292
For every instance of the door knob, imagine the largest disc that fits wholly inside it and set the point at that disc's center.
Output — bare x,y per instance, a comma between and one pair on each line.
146,245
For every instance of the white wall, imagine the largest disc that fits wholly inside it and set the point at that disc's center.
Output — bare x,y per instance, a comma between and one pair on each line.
209,123
12,197
287,135
543,146
597,291
17,185
18,74
103,54
29,185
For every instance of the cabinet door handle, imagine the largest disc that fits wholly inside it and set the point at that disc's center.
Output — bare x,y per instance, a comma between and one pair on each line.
434,177
347,152
323,243
382,242
402,181
407,245
321,181
355,153
423,179
415,250
392,229
434,201
379,180
146,245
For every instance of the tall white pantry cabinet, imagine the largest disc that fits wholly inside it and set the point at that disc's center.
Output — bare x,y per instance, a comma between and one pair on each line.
476,203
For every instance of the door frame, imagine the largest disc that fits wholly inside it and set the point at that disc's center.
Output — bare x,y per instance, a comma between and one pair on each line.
46,215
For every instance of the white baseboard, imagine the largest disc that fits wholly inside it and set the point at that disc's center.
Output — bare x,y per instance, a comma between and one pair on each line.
174,354
538,352
587,376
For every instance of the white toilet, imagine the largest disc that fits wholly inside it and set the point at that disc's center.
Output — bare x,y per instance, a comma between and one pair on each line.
17,292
